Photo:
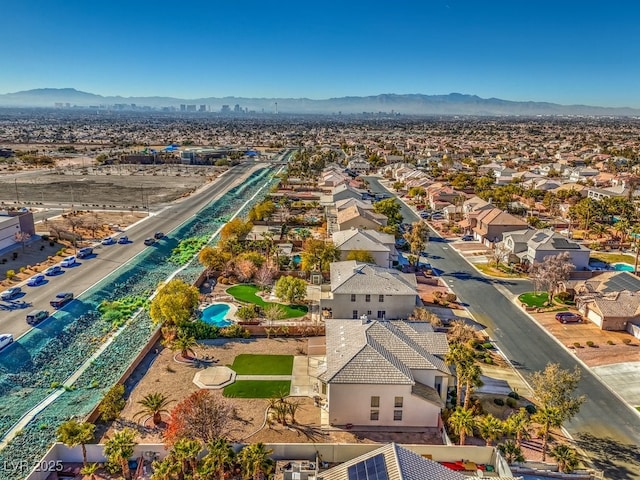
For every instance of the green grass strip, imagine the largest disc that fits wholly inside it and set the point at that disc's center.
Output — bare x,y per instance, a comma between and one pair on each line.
248,364
257,389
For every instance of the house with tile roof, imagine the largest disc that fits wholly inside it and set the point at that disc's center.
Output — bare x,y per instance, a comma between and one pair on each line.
361,289
380,245
531,245
358,217
384,373
491,224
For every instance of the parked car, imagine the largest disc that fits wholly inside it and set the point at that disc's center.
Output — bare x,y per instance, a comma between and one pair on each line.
10,293
568,317
425,215
108,241
68,261
84,252
61,299
123,239
149,241
158,235
6,339
36,280
437,216
36,316
467,238
51,271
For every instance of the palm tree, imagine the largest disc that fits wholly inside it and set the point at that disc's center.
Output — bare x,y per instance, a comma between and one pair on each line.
470,374
185,344
511,452
490,428
565,456
119,449
518,424
89,471
219,457
167,469
459,355
185,451
548,417
73,433
154,404
462,422
255,460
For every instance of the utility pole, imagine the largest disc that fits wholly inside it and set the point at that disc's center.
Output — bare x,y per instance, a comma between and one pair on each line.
15,182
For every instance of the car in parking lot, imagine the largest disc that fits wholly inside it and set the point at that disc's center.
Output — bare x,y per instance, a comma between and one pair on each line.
149,241
68,261
84,252
467,238
123,239
568,317
36,280
10,293
37,316
158,235
61,299
6,339
51,271
107,241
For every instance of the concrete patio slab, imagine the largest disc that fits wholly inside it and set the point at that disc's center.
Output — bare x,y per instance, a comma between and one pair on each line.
214,378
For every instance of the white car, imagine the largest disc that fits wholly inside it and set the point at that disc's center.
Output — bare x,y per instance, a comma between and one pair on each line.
68,261
6,339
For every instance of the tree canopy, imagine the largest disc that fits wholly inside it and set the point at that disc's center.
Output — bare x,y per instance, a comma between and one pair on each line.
291,289
175,303
391,209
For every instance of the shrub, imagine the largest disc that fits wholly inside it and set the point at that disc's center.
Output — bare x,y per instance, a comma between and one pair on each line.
247,312
514,395
235,331
487,345
626,341
590,343
531,409
45,237
610,342
499,402
199,330
22,269
450,297
577,344
488,360
11,274
512,403
563,297
112,403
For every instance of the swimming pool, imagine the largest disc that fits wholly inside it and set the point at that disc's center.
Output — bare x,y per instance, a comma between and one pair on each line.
296,259
623,267
215,314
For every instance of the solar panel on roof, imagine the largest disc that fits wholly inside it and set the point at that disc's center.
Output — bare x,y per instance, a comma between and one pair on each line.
373,468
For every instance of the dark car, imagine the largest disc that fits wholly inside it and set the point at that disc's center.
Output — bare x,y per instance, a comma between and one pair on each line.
10,293
568,317
84,252
123,239
37,316
149,241
61,300
51,271
36,280
467,238
158,235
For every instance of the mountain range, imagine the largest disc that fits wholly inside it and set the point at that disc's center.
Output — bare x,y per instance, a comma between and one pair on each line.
407,104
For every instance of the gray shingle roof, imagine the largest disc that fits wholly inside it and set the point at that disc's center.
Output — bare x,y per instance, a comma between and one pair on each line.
359,239
360,278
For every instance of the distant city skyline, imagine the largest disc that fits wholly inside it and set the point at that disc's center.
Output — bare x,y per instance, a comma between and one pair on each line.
568,52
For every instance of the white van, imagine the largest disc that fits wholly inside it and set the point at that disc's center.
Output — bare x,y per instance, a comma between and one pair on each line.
6,339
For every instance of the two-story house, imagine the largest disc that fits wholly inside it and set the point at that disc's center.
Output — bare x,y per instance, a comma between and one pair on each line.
380,245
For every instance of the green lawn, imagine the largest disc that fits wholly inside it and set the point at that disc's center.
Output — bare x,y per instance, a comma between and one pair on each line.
247,293
247,364
613,257
531,299
257,389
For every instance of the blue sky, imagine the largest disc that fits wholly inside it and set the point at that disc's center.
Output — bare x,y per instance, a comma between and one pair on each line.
561,51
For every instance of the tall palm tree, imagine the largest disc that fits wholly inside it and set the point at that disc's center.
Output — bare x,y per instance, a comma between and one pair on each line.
470,374
462,421
154,404
185,451
119,449
518,424
565,456
185,344
255,460
490,428
73,433
219,457
548,417
458,356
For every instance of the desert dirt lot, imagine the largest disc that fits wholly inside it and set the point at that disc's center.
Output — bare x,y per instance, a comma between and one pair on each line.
122,186
161,373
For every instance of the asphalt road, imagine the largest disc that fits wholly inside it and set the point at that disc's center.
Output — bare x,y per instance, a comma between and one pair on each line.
606,427
107,258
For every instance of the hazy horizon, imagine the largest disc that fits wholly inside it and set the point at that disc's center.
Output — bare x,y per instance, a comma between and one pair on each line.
569,53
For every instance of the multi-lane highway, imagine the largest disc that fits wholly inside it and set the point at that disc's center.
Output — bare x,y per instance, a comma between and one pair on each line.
606,427
107,258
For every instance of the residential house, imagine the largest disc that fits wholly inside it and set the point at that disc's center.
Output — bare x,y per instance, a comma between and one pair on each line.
358,217
358,165
361,289
488,225
380,245
344,191
609,192
531,245
385,374
350,202
332,178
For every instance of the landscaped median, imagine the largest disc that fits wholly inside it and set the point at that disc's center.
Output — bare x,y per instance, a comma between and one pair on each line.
248,294
256,365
